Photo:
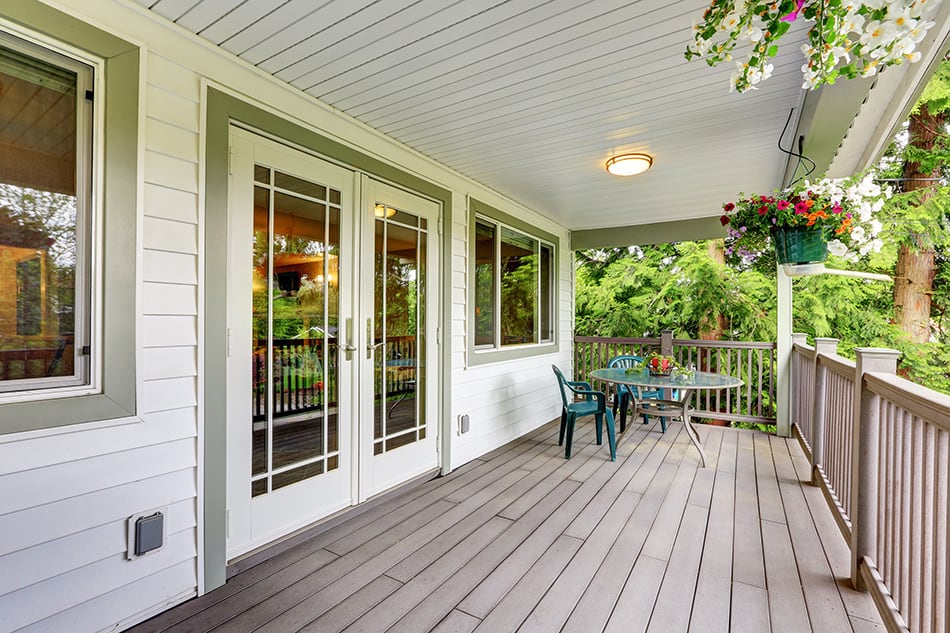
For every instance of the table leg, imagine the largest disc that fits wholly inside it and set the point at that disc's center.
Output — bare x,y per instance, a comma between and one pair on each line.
690,431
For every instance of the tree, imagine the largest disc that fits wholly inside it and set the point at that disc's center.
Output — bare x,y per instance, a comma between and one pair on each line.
924,160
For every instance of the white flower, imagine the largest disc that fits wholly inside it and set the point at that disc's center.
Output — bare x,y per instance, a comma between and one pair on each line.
837,248
853,23
917,33
874,4
753,34
876,226
731,21
877,33
900,16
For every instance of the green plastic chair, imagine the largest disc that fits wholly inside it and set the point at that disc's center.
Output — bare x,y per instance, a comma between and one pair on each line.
626,393
594,403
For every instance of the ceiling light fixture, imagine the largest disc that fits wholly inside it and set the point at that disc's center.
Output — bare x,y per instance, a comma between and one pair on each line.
382,211
629,164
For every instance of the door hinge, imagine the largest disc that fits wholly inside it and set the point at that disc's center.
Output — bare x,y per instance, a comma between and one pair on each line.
438,225
227,343
438,335
230,160
85,350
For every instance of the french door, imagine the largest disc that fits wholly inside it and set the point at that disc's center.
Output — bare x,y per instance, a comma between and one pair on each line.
331,358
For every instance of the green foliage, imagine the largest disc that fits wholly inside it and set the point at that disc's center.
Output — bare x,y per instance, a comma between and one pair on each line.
670,286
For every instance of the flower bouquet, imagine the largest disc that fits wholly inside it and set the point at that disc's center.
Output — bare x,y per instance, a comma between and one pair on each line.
838,213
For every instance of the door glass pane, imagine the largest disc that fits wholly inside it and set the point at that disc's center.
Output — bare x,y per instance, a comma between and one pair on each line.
547,285
295,319
399,262
259,327
519,288
299,328
484,284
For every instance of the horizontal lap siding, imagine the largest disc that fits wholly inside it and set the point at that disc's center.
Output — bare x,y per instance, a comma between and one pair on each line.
66,496
507,399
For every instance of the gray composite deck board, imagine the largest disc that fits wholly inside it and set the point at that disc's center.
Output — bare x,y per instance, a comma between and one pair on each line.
523,540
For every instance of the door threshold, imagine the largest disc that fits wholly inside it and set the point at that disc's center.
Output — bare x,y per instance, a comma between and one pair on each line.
265,552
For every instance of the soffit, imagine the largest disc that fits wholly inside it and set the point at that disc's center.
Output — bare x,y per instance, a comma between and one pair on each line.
529,97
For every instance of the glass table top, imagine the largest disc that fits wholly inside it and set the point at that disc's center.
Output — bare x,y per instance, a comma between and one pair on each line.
642,378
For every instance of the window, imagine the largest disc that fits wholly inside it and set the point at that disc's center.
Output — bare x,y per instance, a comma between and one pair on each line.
513,284
86,370
44,218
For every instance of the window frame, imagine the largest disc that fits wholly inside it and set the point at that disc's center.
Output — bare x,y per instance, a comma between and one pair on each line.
112,393
87,113
479,212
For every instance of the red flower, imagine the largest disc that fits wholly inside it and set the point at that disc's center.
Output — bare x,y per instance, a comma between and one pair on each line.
724,220
728,207
763,210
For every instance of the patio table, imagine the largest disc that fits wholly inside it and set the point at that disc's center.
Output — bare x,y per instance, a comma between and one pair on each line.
685,384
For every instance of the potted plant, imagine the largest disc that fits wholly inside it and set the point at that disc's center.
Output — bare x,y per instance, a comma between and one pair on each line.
806,222
845,39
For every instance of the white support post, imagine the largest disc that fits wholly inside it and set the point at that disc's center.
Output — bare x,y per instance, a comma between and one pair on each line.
864,457
823,347
783,426
795,387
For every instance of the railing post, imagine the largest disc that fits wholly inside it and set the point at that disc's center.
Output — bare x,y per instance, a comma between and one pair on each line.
864,457
666,342
823,347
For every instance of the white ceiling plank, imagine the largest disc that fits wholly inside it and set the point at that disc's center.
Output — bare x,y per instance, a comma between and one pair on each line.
241,18
374,17
404,29
173,9
272,26
309,25
571,45
207,12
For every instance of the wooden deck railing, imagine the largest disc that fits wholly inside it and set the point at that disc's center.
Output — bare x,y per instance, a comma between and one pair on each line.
753,362
880,448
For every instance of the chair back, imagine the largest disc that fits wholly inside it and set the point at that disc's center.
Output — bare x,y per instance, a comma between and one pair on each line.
561,381
625,362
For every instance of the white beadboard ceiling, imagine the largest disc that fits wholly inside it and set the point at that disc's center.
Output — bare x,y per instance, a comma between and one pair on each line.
529,97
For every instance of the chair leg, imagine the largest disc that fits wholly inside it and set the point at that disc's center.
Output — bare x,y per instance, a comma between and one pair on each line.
611,437
560,437
599,426
569,441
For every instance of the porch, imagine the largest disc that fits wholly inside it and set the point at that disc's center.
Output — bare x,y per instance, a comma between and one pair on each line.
525,540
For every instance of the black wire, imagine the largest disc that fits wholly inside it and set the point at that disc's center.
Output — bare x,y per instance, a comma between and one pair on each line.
801,157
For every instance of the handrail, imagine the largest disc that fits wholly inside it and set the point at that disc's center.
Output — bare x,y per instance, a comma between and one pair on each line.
915,399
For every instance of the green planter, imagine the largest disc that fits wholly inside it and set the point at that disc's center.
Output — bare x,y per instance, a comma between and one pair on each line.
800,245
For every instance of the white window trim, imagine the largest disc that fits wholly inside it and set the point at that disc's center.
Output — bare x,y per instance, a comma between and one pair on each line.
88,292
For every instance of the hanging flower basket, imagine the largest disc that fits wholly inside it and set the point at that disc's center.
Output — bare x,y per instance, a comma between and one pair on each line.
800,245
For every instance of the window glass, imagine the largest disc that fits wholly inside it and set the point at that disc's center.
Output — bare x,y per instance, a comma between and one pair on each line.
484,284
44,188
547,293
519,288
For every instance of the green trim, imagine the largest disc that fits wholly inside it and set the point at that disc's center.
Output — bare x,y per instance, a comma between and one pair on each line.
120,178
487,356
642,234
222,110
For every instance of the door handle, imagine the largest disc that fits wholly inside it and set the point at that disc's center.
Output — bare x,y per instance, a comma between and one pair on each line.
370,348
348,346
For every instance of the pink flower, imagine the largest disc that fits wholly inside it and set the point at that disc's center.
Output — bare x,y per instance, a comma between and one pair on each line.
794,14
782,205
836,208
801,208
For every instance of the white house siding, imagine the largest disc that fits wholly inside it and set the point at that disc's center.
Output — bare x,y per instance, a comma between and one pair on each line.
65,494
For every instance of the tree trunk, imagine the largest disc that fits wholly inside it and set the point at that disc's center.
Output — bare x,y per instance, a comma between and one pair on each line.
713,327
916,263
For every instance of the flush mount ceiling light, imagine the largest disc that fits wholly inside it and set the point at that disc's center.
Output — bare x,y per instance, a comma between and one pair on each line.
382,211
629,164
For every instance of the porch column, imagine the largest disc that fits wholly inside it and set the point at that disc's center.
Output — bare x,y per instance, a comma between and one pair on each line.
783,426
864,456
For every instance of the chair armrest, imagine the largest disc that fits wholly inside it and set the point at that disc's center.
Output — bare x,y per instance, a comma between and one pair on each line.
579,383
589,394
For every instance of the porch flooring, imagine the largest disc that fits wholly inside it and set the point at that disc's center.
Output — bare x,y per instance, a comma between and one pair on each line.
524,540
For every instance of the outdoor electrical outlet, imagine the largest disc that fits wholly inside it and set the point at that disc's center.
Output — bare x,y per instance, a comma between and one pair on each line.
463,424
